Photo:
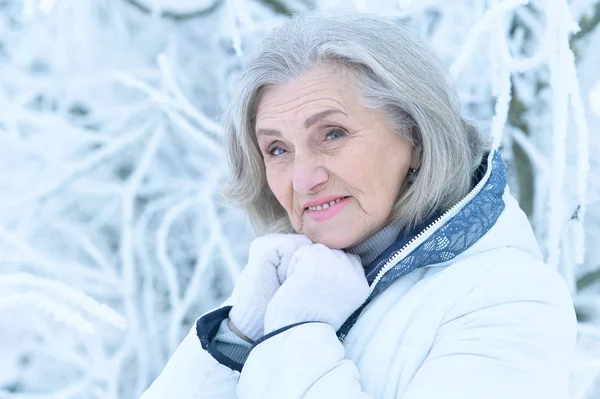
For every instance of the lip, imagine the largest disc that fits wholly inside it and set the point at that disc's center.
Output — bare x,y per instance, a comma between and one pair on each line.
320,216
322,200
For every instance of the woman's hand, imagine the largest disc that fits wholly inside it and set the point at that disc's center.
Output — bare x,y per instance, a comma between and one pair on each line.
263,275
322,284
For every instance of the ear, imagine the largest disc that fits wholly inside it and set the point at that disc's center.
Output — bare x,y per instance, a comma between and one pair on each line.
415,160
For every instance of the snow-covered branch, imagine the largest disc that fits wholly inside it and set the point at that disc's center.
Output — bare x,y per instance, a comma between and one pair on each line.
113,238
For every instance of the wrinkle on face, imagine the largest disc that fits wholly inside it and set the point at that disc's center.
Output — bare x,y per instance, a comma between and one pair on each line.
368,163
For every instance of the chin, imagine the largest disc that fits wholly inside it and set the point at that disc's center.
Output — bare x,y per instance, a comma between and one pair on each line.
331,240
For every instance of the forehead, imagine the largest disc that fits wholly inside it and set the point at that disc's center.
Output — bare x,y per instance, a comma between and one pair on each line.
320,88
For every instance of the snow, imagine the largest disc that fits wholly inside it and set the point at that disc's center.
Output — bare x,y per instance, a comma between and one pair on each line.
112,236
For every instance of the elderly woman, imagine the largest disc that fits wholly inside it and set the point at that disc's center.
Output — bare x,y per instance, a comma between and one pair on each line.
392,261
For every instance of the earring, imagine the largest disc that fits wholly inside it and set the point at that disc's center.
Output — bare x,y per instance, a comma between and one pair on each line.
412,174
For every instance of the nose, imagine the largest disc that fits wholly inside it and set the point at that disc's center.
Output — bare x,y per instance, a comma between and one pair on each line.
309,174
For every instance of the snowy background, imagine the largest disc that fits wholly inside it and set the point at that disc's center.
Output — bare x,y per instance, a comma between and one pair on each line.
112,237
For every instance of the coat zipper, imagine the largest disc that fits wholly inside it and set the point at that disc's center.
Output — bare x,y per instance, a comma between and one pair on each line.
409,246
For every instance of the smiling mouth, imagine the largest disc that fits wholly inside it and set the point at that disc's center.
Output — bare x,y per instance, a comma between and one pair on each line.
326,205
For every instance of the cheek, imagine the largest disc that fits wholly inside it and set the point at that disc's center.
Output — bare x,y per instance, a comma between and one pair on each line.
280,186
380,180
280,183
391,183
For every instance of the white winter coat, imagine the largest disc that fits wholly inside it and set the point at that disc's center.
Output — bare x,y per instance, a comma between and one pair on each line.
467,309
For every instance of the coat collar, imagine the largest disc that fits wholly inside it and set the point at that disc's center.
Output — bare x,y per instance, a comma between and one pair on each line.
444,237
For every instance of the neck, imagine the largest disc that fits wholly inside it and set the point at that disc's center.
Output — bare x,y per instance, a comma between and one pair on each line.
371,247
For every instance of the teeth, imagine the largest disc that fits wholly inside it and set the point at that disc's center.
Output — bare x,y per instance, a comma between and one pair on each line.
324,206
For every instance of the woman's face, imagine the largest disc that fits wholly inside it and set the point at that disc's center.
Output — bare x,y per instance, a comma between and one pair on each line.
336,166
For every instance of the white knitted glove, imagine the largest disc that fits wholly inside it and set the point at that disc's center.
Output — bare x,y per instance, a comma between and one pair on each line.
265,272
322,284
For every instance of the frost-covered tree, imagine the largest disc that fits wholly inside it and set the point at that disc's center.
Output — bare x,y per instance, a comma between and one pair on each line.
112,236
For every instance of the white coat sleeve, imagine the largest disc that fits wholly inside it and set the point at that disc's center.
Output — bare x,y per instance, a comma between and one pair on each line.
509,337
192,373
305,361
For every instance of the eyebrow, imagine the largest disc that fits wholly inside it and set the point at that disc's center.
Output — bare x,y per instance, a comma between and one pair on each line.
320,115
311,120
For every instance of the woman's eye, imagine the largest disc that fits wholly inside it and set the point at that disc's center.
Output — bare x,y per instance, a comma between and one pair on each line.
276,151
335,133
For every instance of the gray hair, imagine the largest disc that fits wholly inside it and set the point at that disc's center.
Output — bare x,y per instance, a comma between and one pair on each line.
396,73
